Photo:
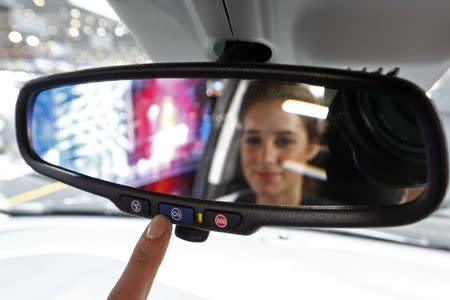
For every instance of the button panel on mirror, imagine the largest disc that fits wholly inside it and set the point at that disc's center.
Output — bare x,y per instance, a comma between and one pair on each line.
177,214
136,206
221,220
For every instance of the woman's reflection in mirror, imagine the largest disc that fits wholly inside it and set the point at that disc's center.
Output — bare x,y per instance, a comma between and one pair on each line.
273,136
281,135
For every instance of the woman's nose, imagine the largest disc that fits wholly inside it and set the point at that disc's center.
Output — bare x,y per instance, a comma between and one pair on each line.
269,153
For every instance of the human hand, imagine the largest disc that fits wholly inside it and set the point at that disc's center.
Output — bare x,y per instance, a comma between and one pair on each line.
137,278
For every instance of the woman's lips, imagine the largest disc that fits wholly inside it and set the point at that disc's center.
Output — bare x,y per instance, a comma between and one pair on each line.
267,175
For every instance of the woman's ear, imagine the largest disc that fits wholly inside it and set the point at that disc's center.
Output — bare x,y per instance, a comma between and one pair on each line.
312,151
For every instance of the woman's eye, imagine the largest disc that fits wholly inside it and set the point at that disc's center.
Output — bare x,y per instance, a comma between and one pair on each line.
252,140
284,141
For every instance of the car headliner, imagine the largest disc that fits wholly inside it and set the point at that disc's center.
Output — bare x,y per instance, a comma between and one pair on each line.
410,34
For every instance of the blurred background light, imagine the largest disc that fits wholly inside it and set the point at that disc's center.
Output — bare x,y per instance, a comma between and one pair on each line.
15,37
73,32
39,3
101,31
90,20
102,22
32,41
75,13
75,23
87,30
53,30
29,13
119,31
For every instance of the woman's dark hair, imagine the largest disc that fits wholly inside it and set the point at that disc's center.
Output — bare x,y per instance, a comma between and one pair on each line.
265,90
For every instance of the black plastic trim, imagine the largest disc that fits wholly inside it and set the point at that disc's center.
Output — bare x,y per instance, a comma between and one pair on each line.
253,217
225,8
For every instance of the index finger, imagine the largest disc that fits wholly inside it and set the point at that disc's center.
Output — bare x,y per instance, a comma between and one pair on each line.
138,276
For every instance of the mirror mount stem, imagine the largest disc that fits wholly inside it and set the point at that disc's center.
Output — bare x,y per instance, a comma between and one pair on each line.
235,51
244,52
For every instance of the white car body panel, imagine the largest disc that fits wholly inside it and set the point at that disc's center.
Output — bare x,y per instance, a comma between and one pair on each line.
82,257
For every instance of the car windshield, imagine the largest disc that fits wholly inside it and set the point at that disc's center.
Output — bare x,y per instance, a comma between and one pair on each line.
42,38
46,37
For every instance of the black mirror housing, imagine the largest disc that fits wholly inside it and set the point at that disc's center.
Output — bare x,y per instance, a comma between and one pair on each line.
242,218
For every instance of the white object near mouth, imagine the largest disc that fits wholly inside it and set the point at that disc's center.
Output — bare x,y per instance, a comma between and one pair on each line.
305,169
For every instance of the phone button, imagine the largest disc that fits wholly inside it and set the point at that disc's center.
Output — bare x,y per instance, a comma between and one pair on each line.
178,214
136,206
222,220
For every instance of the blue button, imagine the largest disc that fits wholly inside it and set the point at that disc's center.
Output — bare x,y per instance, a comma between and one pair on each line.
178,214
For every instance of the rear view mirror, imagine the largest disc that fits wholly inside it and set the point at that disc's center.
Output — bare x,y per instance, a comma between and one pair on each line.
236,147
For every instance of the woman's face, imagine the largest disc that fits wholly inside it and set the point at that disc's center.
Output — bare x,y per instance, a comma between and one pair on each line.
271,136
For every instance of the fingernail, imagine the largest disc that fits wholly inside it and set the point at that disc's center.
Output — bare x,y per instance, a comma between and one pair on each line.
157,227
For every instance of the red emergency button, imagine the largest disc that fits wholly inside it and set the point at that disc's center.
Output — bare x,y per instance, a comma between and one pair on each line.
222,220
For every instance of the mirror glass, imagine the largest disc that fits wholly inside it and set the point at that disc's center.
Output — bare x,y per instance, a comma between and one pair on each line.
247,141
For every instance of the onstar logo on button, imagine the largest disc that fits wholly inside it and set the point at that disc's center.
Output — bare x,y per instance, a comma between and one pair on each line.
176,214
221,221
